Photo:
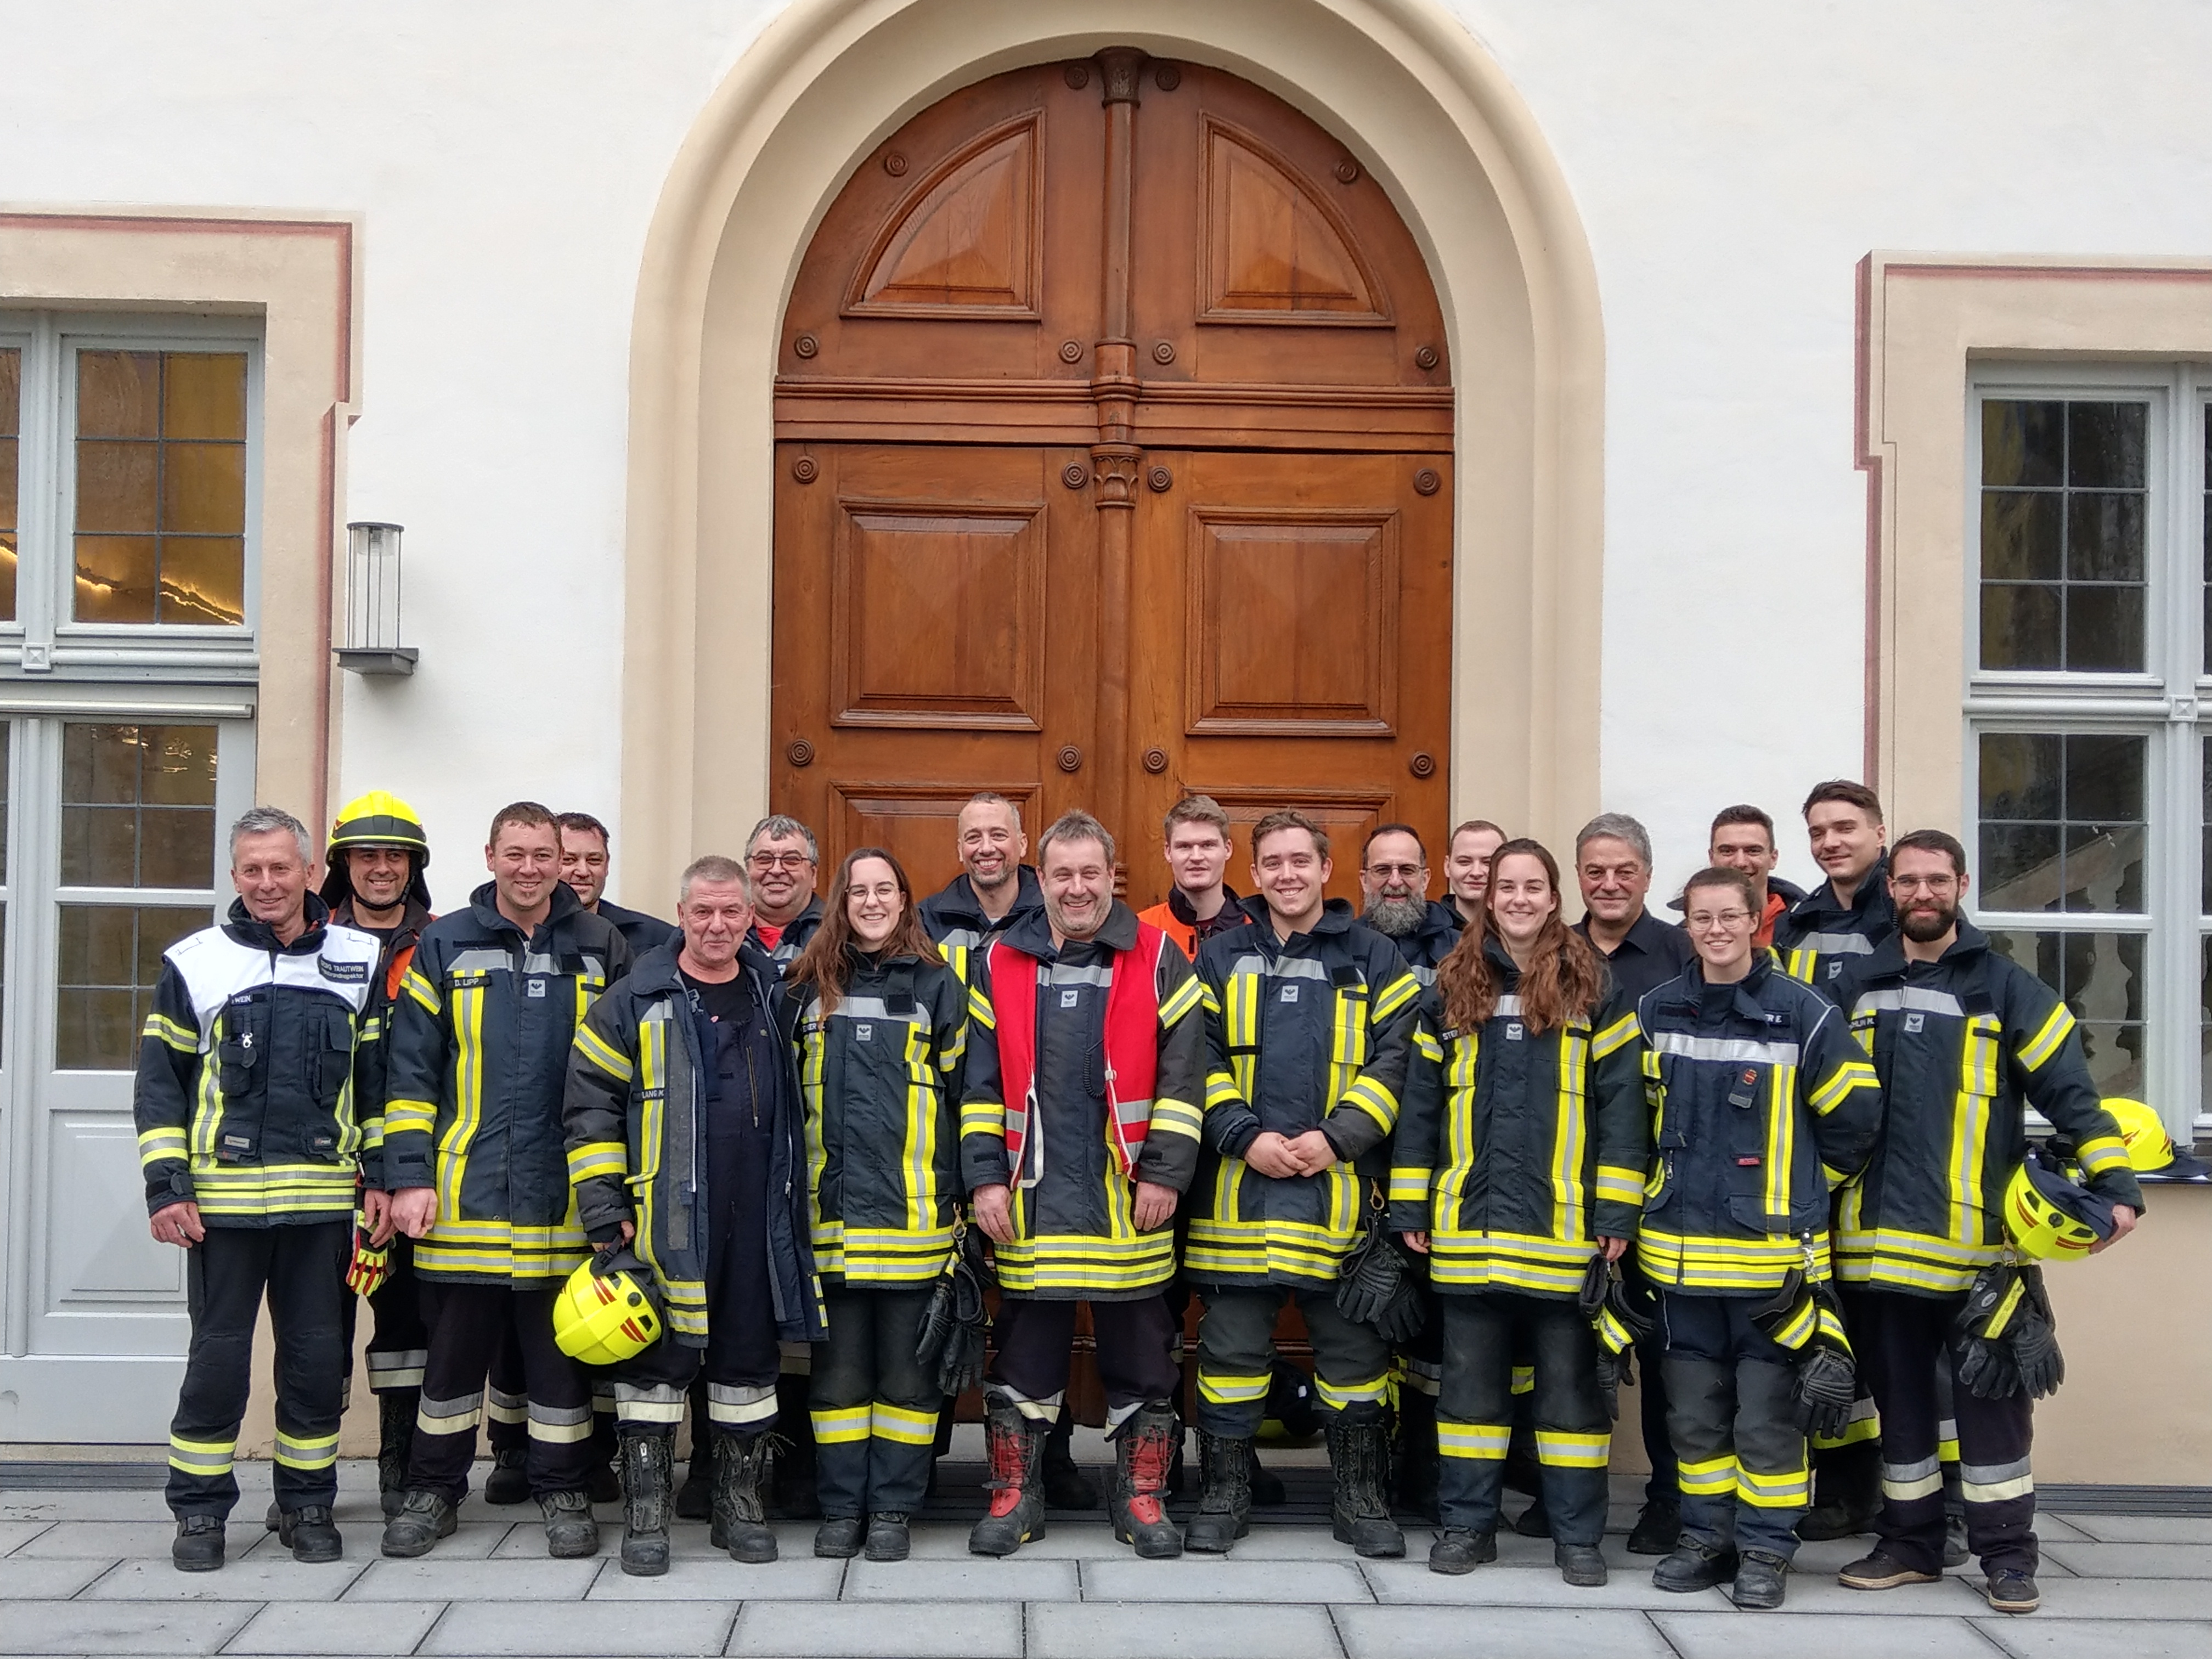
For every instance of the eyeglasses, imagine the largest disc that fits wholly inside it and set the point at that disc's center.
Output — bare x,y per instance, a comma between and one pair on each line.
1924,883
779,860
1705,921
1385,871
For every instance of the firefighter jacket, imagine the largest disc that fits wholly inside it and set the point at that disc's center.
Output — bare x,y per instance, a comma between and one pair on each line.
1174,917
636,1123
1520,1148
244,1098
1963,1045
1313,1032
372,1061
1086,1064
1818,937
1430,941
955,924
791,941
1761,1103
878,1078
479,1064
640,932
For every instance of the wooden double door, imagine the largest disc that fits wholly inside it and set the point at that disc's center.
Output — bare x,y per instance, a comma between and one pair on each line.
1114,462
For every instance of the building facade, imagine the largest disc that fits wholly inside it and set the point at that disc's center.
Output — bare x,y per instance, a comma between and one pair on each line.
1399,408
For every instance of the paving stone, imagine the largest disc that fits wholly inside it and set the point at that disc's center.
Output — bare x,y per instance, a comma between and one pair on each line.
113,1627
1522,1632
587,1628
2137,1528
1198,1578
693,1540
111,1541
2052,1529
14,1534
1412,1583
351,1627
717,1578
972,1578
128,1504
1312,1543
254,1578
2108,1598
885,1629
2133,1560
2046,1637
430,1579
1818,1636
1064,1630
1065,1541
50,1578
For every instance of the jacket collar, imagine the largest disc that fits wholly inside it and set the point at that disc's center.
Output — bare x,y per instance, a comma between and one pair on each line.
658,973
1179,907
1743,1000
956,901
243,929
414,916
1888,960
1335,917
1030,931
485,903
1870,899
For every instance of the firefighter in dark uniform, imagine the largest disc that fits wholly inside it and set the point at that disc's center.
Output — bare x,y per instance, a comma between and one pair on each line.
586,859
250,1140
473,1153
1310,1032
876,1025
373,879
1521,1157
1963,1041
1394,891
1079,1131
684,1141
1763,1102
782,862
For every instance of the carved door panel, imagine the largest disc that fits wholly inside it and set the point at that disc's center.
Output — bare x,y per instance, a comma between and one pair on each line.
934,614
1293,614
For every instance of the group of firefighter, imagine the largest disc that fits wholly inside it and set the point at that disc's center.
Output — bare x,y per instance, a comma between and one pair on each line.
595,1172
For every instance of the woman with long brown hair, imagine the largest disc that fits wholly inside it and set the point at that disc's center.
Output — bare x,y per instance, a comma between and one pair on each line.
1519,1159
876,1025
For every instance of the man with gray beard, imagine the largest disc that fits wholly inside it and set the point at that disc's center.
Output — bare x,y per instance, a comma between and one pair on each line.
1394,886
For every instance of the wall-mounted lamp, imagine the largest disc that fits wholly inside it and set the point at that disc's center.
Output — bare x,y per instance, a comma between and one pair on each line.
372,626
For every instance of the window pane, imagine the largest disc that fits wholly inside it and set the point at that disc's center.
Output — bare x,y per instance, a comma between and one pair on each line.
111,956
160,487
2061,821
2099,977
137,805
2064,505
11,404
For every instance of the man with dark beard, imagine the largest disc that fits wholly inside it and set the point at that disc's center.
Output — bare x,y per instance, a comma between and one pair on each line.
1393,889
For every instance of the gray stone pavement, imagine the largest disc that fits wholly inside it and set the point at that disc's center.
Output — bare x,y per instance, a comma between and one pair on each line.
87,1572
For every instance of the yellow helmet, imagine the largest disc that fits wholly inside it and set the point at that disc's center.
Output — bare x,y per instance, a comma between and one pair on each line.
2149,1146
607,1312
379,818
2050,1217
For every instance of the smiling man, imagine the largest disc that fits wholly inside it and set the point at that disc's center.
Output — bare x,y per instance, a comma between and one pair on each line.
993,890
1393,888
585,865
1078,1130
1194,841
1847,916
782,861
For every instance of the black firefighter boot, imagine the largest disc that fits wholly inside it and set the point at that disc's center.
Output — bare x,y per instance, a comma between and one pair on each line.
1359,1459
1145,1447
1417,1471
694,1499
742,1474
395,1442
1224,1505
1015,1445
648,1476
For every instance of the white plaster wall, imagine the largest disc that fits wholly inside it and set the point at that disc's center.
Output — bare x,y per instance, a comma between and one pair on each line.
1732,160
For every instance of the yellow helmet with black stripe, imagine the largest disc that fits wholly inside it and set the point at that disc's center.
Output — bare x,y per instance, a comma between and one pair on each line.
2052,1217
606,1312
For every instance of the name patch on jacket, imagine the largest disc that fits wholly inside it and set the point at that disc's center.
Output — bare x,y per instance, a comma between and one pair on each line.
345,973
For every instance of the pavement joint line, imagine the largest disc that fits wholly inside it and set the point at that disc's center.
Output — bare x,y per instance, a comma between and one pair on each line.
1660,1631
431,1629
1980,1628
1336,1628
85,1589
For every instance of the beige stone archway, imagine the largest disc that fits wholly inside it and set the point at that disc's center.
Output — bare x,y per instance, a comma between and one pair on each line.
1413,95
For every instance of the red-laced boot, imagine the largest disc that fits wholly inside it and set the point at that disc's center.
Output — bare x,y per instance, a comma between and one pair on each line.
1016,1448
1147,1444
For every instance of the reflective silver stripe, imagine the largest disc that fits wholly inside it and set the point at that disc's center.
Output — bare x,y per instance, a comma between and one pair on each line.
479,959
962,938
536,962
1134,1111
503,1408
658,1404
1054,973
873,1008
1734,1051
1989,1474
725,1404
1043,1410
560,1425
460,1406
1912,997
1919,1471
1836,945
1421,976
1509,1007
382,1365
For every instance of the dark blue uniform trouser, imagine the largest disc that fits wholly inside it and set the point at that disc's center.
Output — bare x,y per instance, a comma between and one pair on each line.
873,1407
1474,1411
1741,1457
301,1267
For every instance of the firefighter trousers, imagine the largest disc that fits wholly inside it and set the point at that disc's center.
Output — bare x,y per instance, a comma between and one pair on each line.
1899,1343
1237,1356
1474,1411
1035,1342
873,1409
1741,1457
302,1269
467,1325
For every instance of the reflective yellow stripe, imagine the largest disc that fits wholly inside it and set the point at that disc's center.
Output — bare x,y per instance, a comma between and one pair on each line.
603,1054
1408,1185
897,1423
845,1425
1338,1396
1368,1095
1850,1075
158,1145
1225,1390
299,1452
1187,996
597,1158
1619,1184
2102,1152
1486,1441
415,985
1790,1489
1617,1036
1395,995
1709,1477
2045,1043
1576,1451
204,1458
182,1038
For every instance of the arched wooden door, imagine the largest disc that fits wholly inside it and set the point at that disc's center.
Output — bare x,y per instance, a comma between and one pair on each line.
1114,461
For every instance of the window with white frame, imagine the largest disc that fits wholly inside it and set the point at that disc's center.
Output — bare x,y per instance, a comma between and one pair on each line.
2088,709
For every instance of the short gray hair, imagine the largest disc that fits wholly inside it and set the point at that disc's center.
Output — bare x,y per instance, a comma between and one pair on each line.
1615,826
777,826
268,820
713,867
1076,825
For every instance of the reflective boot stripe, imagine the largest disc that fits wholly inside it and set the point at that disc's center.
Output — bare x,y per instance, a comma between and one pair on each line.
737,1407
560,1425
503,1408
458,1416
